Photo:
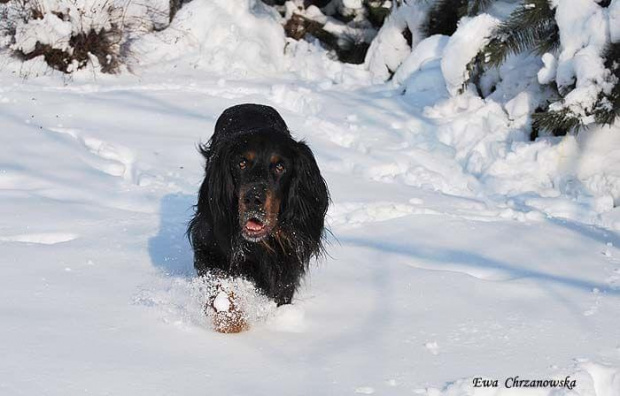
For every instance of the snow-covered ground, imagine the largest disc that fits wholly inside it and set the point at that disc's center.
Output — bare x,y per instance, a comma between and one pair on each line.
459,249
421,288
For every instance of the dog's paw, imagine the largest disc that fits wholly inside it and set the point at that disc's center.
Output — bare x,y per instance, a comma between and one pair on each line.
226,314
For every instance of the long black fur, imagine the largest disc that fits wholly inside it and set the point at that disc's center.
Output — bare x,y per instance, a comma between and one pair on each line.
277,264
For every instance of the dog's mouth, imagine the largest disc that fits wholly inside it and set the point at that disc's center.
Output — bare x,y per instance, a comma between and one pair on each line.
255,228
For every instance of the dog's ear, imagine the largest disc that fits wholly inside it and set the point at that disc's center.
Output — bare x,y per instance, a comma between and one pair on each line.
216,207
308,197
219,184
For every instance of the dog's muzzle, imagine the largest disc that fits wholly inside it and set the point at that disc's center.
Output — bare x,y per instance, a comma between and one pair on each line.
254,221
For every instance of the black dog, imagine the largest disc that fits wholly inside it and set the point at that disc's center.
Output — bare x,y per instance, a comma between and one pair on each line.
262,204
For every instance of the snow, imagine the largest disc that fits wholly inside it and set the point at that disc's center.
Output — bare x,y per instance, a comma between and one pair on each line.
353,4
56,32
417,279
458,248
221,302
614,20
584,29
547,73
288,318
600,169
471,35
50,30
426,51
390,48
241,36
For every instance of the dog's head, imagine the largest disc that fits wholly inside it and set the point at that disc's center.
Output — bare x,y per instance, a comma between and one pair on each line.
262,167
261,182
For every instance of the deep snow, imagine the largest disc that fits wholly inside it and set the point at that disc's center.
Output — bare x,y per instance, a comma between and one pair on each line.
459,249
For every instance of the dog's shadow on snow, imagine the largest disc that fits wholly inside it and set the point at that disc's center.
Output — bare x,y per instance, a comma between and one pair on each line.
170,250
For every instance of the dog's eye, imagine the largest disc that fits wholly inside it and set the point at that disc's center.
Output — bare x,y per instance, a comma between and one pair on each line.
279,167
243,164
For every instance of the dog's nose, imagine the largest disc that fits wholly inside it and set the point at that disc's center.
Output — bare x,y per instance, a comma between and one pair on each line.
255,197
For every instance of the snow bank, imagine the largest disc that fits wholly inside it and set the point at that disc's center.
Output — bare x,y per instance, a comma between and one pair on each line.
575,178
238,36
565,177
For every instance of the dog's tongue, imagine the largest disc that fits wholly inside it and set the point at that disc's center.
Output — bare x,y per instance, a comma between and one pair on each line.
254,225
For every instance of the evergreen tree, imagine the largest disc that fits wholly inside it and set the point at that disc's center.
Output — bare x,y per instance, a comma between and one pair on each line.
605,111
608,104
532,28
